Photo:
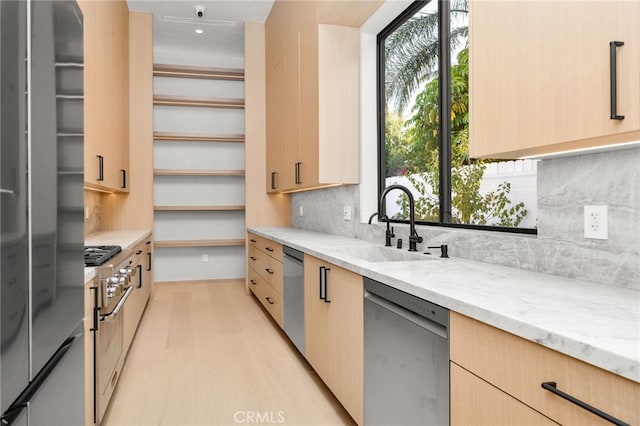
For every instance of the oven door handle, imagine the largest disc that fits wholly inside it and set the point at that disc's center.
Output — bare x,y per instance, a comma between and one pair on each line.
119,306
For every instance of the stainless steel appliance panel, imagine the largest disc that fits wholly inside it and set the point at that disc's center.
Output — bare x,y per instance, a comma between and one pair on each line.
14,259
42,237
57,239
406,364
293,289
55,403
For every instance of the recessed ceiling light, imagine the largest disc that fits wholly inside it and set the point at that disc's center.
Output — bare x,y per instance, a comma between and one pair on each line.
199,31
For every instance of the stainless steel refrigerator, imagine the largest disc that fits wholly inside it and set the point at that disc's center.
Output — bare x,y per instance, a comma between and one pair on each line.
41,204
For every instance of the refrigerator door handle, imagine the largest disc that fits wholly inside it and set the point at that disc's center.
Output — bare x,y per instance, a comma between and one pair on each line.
23,400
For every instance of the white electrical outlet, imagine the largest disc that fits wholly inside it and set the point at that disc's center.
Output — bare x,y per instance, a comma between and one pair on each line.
205,257
301,210
595,222
346,213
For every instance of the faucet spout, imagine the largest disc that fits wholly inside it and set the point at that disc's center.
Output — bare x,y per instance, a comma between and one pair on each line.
414,238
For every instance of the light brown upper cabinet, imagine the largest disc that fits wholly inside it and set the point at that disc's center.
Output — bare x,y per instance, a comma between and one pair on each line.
313,94
106,94
541,76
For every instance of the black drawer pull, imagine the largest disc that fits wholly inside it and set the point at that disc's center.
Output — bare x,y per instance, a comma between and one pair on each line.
139,251
270,300
268,249
124,178
253,282
100,168
613,47
269,270
253,258
253,241
551,387
273,180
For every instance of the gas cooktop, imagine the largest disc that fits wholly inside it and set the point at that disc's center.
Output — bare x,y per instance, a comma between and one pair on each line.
97,255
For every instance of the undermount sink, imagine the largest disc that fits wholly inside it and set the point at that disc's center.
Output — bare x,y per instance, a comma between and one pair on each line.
381,254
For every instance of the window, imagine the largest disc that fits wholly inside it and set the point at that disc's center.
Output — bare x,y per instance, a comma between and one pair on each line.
423,69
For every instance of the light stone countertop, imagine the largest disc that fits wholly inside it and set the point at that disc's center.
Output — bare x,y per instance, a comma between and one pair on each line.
594,323
125,239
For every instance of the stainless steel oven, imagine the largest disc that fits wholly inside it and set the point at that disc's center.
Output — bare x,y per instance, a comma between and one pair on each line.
111,294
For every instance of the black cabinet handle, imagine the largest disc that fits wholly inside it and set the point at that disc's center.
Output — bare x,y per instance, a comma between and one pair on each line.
253,258
551,387
323,284
268,249
253,241
253,282
139,276
270,300
269,270
124,178
297,172
139,251
613,47
149,260
273,180
100,168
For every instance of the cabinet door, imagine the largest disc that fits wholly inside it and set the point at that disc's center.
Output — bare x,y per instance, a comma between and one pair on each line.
276,147
316,333
334,331
292,112
106,93
476,402
346,339
309,104
540,75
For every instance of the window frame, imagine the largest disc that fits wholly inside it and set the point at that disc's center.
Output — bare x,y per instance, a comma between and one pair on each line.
444,149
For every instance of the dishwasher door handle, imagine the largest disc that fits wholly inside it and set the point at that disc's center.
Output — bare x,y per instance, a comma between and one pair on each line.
418,320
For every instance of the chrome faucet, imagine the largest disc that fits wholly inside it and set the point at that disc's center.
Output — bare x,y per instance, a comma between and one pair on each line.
414,238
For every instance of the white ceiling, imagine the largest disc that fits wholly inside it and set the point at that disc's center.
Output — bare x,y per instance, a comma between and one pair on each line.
226,39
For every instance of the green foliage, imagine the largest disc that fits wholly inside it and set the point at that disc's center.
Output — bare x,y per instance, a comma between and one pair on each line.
396,144
469,206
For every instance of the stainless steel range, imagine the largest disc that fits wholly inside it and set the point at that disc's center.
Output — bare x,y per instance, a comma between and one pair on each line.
113,288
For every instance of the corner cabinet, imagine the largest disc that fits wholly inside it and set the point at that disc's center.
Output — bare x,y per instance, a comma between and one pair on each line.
541,79
496,379
106,95
313,97
333,327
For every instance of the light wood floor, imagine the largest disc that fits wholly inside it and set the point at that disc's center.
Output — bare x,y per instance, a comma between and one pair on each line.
208,354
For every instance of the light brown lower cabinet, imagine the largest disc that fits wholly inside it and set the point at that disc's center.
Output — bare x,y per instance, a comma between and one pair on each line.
264,269
518,367
476,402
333,316
141,282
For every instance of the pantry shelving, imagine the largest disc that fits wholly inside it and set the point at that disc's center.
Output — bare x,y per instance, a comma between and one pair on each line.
199,172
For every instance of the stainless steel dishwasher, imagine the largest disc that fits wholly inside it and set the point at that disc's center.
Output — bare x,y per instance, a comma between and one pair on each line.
406,358
293,289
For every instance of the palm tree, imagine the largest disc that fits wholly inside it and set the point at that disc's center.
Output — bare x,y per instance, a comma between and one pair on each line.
411,52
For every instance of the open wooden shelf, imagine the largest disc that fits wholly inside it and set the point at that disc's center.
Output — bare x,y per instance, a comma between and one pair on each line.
163,70
198,208
171,172
187,137
199,243
167,100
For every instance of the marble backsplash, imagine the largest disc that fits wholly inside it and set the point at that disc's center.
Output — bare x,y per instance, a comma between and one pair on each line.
565,186
92,203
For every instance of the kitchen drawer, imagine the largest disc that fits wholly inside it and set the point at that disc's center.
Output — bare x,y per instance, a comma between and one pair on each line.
269,268
519,367
270,299
474,402
269,247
